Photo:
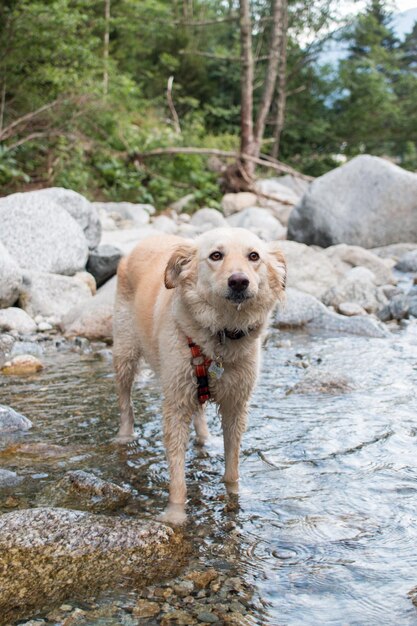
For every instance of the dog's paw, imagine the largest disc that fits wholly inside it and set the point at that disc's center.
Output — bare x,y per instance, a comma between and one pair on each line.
174,514
201,441
125,437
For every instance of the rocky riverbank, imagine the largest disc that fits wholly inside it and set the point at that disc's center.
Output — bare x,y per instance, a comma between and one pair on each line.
59,252
58,258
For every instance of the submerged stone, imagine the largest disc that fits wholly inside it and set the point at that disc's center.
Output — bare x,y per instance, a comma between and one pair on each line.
323,381
9,479
12,421
49,554
87,491
22,364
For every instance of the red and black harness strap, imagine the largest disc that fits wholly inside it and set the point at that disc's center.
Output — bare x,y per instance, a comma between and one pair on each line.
201,365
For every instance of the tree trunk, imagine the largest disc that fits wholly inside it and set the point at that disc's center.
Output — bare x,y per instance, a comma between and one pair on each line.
106,43
270,75
239,176
246,84
282,84
2,103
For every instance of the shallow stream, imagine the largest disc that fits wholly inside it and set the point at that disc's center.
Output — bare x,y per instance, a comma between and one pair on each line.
324,530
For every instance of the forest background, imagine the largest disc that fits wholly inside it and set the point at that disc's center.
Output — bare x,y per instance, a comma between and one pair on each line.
89,87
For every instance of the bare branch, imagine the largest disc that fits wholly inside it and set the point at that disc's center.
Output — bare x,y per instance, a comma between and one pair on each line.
32,136
214,21
268,196
282,84
2,103
8,131
106,42
246,80
271,73
172,107
210,55
272,163
198,24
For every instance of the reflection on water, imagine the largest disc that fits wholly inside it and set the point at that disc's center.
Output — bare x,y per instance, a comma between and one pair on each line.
324,528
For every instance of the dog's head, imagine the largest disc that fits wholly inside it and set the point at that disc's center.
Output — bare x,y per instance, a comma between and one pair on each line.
228,266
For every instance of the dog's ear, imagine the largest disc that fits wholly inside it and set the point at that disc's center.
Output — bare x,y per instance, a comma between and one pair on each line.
179,264
277,268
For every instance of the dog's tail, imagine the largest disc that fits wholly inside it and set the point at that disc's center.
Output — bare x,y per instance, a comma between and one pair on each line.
124,286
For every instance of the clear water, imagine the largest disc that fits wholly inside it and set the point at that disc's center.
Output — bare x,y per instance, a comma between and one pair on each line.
325,527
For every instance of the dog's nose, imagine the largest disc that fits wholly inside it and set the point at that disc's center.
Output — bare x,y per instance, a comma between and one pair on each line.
238,282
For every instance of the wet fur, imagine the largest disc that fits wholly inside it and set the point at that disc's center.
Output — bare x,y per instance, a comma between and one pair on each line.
169,289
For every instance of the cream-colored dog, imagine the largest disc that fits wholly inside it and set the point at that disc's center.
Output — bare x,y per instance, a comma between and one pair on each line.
196,312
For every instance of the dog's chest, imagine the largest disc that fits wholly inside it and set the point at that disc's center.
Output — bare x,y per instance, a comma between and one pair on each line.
228,381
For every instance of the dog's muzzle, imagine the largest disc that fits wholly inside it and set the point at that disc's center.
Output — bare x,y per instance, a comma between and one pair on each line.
238,284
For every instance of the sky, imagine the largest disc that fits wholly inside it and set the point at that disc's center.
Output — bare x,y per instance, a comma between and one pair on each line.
403,5
399,5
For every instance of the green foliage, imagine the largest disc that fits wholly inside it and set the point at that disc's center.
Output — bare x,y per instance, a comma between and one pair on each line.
377,87
10,171
51,56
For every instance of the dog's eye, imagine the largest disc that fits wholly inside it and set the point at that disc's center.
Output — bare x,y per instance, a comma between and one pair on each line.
253,256
216,256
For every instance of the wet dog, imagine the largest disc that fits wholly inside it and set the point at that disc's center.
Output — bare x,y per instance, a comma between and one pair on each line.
196,311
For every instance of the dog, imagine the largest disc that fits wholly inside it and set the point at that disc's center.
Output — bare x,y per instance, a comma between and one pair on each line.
196,311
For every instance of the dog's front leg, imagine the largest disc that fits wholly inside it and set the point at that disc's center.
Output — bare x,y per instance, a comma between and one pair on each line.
176,435
234,421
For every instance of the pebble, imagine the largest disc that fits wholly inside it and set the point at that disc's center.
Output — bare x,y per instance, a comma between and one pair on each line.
44,326
12,421
207,618
105,355
182,618
81,344
22,364
184,588
6,343
26,347
162,593
202,579
351,308
144,608
9,479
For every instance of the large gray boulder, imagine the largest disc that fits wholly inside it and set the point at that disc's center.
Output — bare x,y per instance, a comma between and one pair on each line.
83,211
136,213
206,219
278,198
235,202
358,286
10,278
9,479
407,262
304,310
42,236
86,491
50,554
355,256
259,221
368,202
164,224
103,262
310,270
16,319
127,239
394,251
297,184
51,295
94,318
